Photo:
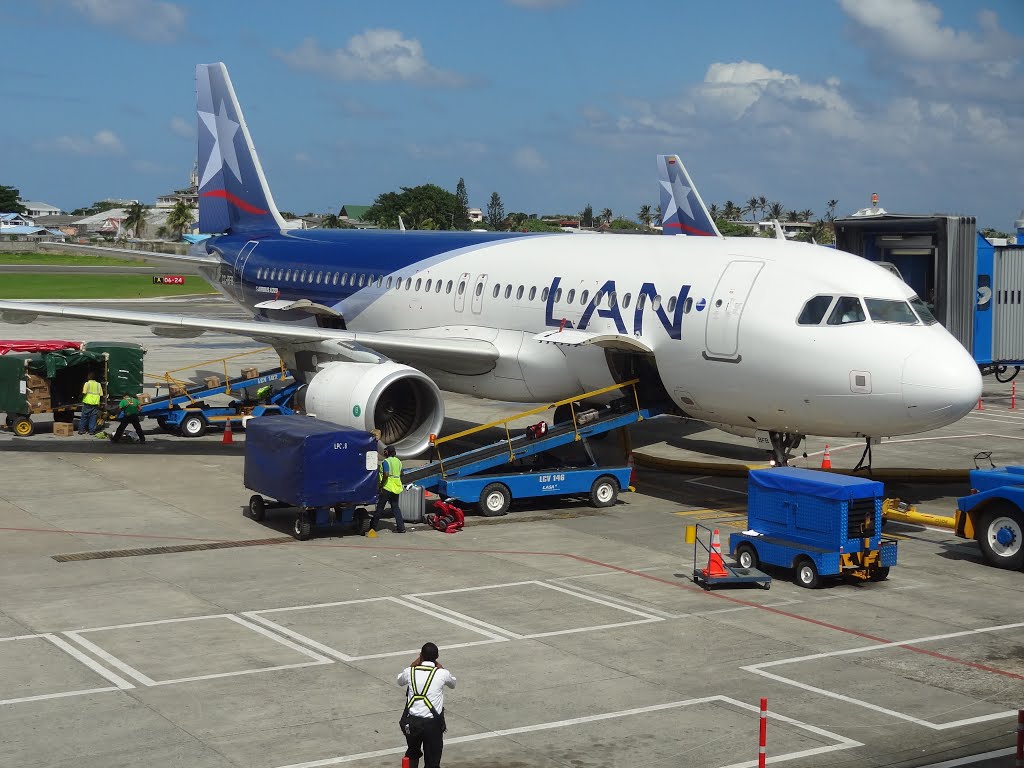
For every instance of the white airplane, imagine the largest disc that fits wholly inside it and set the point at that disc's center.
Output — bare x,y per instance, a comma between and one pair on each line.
760,337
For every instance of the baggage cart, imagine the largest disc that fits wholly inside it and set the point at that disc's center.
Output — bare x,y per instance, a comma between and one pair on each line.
325,472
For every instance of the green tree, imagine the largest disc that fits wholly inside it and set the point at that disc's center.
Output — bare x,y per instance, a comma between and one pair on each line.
427,206
625,224
831,215
10,200
495,211
98,207
730,229
179,219
657,213
587,216
731,210
751,207
606,216
515,220
806,214
775,210
714,211
135,221
792,215
462,209
762,204
645,215
330,221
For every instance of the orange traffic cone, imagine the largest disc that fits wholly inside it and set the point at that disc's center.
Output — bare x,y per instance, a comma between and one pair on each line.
716,566
228,438
826,460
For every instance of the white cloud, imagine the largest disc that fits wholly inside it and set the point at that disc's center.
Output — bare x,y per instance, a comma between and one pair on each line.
914,28
183,128
150,20
374,55
529,159
104,142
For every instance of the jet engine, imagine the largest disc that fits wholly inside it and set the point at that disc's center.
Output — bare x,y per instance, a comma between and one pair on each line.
403,403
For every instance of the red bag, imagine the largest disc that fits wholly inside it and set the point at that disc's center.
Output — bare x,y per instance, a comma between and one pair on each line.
448,519
537,430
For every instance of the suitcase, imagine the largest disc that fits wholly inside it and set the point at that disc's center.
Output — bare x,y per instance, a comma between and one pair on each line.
412,503
587,417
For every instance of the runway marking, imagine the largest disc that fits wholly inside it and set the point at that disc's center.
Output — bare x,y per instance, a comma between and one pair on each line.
841,742
329,651
141,677
758,669
119,683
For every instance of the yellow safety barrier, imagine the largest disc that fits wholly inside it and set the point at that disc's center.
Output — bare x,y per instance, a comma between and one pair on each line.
570,401
168,379
894,509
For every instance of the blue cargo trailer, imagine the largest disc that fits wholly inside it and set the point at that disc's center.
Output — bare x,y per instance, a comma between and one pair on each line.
495,492
993,515
816,523
325,471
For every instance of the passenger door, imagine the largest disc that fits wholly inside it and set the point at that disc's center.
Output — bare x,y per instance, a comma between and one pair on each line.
721,335
243,258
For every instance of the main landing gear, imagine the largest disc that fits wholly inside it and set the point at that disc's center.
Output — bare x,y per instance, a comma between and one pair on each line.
865,458
783,445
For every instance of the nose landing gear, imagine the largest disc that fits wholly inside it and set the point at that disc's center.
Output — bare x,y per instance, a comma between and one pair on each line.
783,445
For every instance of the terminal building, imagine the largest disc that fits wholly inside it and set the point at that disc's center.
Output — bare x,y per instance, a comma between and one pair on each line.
974,287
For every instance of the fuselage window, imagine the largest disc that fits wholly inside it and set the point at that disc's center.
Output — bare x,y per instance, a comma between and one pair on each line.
344,278
814,310
437,287
923,312
641,300
362,280
584,296
687,305
288,275
408,283
352,278
888,311
380,281
672,304
496,291
533,292
319,277
611,299
419,283
303,278
448,288
479,288
371,279
462,287
598,297
656,302
519,293
389,282
558,295
570,297
508,290
335,280
848,309
427,288
625,300
544,295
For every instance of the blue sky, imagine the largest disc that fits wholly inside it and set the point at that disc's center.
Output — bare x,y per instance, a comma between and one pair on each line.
552,103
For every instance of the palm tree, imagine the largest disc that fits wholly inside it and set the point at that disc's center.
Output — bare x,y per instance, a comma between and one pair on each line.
645,215
831,215
762,203
775,210
657,214
330,221
135,221
792,215
806,214
606,215
751,208
731,211
162,232
713,210
179,219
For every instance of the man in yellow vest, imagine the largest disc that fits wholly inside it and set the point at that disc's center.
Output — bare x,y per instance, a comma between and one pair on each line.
389,479
423,719
92,395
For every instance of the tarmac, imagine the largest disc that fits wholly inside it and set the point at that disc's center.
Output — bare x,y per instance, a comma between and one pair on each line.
183,633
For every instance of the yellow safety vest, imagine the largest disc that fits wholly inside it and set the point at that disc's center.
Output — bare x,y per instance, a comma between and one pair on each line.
421,694
394,481
92,393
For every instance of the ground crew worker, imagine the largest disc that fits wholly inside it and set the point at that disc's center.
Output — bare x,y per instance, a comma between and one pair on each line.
129,406
389,480
92,394
423,719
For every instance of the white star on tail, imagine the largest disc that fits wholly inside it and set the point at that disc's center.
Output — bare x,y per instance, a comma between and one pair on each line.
220,127
677,201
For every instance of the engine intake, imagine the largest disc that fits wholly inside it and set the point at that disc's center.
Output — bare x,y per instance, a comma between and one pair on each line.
403,403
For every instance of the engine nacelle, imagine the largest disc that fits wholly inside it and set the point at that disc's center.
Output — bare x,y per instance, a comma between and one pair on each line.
403,403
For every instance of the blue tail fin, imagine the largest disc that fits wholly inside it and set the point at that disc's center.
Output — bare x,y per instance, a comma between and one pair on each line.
682,210
233,193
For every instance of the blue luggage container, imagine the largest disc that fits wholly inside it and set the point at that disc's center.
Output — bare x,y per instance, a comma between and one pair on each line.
323,469
818,523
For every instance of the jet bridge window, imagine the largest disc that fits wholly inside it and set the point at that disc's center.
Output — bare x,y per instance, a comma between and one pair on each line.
891,311
848,309
814,310
922,311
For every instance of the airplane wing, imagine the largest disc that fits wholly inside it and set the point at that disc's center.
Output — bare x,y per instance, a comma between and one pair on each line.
194,256
574,338
467,356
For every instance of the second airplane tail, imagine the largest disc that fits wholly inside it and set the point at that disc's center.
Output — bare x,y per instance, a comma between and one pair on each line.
682,210
233,192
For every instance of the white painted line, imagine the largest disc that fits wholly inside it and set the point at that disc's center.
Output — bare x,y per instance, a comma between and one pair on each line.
324,649
972,759
316,605
841,742
449,612
759,669
69,649
473,589
652,611
598,600
717,487
422,608
62,695
141,677
575,630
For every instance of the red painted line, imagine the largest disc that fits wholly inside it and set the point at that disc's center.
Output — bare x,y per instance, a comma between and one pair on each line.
581,559
235,200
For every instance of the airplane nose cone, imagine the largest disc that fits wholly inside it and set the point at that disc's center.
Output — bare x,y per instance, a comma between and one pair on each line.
941,384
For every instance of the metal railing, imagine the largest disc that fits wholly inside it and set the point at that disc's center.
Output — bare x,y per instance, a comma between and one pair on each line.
170,380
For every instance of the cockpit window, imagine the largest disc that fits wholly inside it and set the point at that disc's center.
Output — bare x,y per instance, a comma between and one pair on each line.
891,311
922,311
848,309
814,310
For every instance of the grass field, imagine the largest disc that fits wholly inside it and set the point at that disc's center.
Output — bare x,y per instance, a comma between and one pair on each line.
65,260
33,286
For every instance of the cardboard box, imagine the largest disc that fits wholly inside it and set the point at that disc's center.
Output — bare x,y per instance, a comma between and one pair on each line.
212,381
63,428
144,398
250,373
36,382
177,390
